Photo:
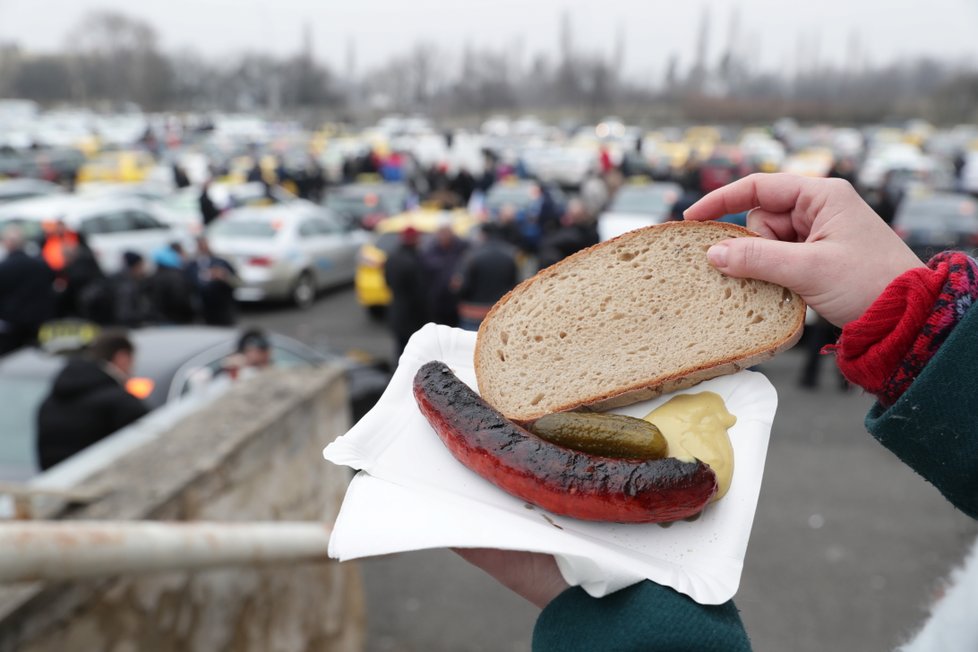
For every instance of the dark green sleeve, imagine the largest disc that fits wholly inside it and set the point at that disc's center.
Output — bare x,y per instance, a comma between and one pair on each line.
644,617
933,427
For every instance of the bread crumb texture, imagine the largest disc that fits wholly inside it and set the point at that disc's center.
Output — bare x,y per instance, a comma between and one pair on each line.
635,311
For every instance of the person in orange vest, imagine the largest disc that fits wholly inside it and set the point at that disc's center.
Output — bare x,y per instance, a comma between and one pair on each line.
58,241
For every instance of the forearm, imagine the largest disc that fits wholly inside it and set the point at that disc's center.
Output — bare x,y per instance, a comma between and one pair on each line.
916,349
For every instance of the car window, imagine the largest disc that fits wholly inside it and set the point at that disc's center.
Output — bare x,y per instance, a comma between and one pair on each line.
326,225
144,220
117,222
30,229
308,228
283,358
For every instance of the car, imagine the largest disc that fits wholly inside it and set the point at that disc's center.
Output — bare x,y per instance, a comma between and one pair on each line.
371,287
931,222
365,204
167,361
286,251
110,225
637,205
124,166
567,167
19,189
886,157
810,162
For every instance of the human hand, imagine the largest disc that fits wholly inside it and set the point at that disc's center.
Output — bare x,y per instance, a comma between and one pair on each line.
819,238
532,575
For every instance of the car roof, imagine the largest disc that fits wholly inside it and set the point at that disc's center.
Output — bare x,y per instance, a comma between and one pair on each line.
68,206
426,221
19,185
272,212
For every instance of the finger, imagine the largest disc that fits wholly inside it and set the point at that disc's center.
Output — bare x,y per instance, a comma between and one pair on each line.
777,193
773,226
784,263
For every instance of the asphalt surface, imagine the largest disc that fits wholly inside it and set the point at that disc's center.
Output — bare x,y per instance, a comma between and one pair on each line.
848,547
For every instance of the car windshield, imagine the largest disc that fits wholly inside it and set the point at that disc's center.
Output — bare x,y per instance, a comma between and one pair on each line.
646,202
957,214
355,205
19,400
519,196
244,229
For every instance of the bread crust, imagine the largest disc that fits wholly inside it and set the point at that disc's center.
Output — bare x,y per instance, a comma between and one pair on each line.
669,382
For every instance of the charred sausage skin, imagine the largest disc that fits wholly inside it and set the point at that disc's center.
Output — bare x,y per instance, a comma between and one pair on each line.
557,479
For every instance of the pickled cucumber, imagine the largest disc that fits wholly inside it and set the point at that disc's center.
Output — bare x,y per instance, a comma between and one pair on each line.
608,435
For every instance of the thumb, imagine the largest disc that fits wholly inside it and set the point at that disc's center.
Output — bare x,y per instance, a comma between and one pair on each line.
784,263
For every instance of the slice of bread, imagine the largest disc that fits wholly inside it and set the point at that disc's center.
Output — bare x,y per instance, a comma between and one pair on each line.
627,320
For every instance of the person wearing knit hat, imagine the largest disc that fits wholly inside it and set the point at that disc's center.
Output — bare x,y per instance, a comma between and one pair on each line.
410,236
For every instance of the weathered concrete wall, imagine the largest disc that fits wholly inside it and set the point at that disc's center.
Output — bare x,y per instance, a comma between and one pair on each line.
255,454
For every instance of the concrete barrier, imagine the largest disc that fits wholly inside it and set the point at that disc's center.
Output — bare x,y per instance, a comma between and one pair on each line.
252,455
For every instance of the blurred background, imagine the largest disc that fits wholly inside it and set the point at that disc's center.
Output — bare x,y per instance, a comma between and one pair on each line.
251,186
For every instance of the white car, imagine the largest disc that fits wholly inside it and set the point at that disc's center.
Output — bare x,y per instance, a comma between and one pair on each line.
891,156
287,251
110,226
638,205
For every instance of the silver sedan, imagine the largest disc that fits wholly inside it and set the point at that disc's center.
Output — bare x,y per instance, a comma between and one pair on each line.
288,251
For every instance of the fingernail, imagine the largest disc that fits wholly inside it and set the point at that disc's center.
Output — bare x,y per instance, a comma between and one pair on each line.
717,255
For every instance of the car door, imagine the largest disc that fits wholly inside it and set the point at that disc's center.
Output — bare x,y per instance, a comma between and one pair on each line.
338,246
308,241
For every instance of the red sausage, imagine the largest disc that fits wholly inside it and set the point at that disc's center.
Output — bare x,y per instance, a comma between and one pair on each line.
558,479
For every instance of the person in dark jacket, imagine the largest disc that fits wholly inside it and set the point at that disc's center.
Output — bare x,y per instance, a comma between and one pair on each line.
214,279
208,210
131,304
88,400
26,293
489,272
405,276
80,274
441,260
170,289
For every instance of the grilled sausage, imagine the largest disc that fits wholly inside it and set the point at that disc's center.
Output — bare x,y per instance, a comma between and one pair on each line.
557,479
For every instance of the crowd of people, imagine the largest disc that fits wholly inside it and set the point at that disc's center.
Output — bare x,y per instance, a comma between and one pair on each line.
66,281
451,281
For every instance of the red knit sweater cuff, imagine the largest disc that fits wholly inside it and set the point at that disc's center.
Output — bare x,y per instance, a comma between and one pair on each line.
885,349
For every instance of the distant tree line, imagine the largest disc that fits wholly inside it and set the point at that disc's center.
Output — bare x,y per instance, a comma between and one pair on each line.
111,59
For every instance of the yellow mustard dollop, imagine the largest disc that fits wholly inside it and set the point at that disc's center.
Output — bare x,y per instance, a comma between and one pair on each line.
695,425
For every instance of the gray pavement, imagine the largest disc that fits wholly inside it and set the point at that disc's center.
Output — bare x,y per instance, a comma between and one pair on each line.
848,545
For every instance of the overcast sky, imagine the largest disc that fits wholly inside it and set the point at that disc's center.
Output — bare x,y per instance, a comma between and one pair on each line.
653,29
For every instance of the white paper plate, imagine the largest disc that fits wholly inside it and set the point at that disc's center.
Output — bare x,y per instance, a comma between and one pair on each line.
412,494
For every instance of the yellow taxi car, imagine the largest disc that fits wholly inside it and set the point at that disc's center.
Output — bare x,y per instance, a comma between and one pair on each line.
127,166
372,291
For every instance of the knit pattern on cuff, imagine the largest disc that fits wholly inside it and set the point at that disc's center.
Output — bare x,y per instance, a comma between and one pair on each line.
885,349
